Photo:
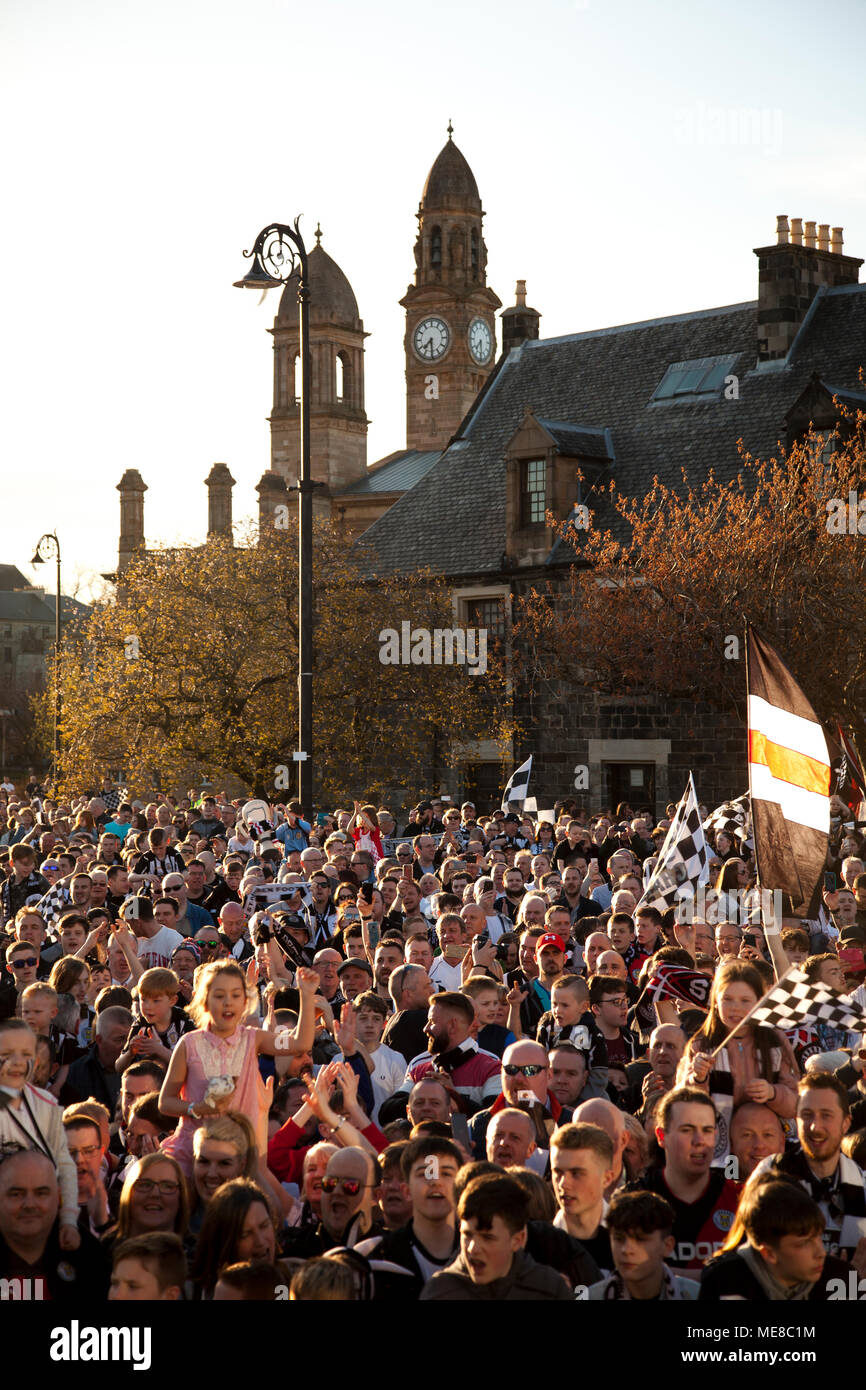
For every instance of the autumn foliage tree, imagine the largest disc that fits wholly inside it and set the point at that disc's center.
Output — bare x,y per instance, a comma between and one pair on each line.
655,602
191,671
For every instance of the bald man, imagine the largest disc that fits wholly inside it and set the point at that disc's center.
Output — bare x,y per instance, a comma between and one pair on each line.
510,1139
656,1073
612,963
525,1083
595,943
611,1119
30,1241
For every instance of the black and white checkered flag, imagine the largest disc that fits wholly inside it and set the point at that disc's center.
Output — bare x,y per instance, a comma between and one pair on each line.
683,861
730,817
795,1000
515,793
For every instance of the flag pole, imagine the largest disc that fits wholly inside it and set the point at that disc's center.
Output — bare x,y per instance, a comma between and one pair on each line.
757,1004
772,930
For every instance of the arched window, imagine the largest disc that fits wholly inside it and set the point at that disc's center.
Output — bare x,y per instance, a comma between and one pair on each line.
436,248
297,378
343,378
474,250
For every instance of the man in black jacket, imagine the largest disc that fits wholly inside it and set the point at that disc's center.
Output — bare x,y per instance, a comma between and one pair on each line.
428,1243
29,1237
493,1265
93,1075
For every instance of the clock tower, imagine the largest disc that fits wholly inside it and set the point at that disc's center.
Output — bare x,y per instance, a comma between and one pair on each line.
450,325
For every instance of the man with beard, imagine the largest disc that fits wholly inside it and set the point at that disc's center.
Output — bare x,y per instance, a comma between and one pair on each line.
471,1074
831,1179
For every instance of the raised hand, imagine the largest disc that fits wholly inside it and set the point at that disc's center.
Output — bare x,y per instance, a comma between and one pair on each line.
345,1032
307,980
70,1237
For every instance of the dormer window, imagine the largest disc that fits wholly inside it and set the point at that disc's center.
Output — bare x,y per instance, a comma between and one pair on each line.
533,492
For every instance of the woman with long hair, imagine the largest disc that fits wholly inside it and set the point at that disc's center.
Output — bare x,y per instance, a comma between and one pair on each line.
154,1198
756,1063
238,1225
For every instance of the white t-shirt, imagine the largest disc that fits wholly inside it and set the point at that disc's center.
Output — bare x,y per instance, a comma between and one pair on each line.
445,975
156,951
389,1068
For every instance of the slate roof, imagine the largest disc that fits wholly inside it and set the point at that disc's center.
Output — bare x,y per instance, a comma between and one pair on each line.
453,520
11,578
397,474
34,607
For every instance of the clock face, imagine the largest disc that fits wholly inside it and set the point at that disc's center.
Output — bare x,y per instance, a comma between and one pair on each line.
431,339
480,340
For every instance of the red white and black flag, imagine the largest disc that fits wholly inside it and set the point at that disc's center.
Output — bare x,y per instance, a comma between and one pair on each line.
789,778
850,782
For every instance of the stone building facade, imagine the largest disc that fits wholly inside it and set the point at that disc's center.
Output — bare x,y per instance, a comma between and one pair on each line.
495,446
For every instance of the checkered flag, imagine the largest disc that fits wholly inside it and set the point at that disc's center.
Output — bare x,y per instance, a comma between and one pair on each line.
730,817
515,793
683,862
795,1000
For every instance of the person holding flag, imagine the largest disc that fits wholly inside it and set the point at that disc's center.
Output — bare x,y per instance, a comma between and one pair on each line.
514,797
735,1059
789,787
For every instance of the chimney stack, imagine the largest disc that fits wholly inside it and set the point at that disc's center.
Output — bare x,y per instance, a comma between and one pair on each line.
520,322
219,483
273,493
790,275
132,489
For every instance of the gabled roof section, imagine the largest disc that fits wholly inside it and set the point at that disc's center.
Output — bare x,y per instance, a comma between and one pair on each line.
399,473
12,578
578,441
453,520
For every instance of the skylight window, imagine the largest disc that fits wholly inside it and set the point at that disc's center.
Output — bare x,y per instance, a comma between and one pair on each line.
702,377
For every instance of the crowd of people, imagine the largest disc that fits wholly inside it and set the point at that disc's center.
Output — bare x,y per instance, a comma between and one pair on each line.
325,1056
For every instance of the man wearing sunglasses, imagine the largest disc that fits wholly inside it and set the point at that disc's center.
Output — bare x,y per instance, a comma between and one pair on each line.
349,1193
525,1080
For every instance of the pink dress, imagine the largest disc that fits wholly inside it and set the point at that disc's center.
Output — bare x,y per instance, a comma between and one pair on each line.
207,1055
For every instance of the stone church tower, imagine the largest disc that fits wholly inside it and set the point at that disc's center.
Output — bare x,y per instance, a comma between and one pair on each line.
450,338
338,421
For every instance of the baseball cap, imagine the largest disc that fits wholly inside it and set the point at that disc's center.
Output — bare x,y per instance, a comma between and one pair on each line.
550,939
355,961
513,818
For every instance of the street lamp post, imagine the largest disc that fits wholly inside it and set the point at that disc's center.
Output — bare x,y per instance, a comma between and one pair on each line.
47,542
278,253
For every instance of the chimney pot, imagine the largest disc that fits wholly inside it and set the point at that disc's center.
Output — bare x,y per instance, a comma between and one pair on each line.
836,241
810,238
796,231
781,230
520,294
824,236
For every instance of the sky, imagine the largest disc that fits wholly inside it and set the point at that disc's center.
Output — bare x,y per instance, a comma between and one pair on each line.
629,156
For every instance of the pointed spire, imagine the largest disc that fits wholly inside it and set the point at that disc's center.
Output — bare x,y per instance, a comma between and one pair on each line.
318,233
450,128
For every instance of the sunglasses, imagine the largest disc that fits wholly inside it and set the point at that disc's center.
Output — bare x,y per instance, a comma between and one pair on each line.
23,961
531,1069
351,1186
